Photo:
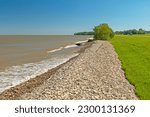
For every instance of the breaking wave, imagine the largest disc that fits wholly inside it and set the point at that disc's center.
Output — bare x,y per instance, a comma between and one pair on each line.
21,73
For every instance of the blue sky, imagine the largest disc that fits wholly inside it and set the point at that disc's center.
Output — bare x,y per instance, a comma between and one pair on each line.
69,16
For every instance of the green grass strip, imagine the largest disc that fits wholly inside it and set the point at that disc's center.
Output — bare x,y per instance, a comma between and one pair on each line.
134,53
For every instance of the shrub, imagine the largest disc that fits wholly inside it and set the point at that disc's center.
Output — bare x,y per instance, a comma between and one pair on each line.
103,32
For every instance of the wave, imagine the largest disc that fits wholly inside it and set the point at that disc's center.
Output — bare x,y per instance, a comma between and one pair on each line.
61,48
91,38
21,73
70,46
55,50
81,41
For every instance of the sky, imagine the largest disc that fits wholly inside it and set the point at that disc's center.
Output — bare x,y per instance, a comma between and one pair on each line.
51,17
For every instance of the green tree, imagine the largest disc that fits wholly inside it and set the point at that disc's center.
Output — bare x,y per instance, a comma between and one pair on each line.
141,31
103,32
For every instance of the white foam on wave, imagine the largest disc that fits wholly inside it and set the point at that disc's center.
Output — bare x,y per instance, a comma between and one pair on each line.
61,48
91,38
55,50
18,74
70,46
82,41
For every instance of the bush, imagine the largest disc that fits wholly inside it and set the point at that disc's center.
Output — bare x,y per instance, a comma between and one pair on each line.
103,32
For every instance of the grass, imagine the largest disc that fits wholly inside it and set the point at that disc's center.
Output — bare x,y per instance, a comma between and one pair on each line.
134,53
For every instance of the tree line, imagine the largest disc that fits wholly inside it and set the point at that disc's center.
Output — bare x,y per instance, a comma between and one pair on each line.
84,33
125,32
132,32
104,32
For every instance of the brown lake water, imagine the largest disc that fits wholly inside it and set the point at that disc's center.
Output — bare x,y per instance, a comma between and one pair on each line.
24,57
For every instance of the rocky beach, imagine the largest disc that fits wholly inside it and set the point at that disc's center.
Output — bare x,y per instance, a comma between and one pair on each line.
95,74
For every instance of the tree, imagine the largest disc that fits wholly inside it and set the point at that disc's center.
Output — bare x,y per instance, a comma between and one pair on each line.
141,31
134,31
103,32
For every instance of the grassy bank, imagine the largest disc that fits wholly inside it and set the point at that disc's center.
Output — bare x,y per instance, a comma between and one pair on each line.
134,53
